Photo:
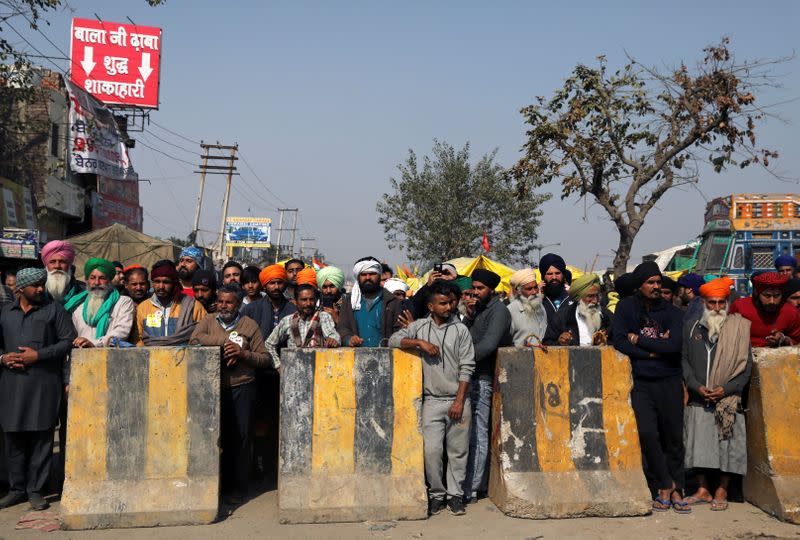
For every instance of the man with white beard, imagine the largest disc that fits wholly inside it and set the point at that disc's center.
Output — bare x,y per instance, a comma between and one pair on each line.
103,314
528,315
58,256
717,359
584,322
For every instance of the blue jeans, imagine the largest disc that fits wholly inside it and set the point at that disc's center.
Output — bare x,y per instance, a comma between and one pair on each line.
477,472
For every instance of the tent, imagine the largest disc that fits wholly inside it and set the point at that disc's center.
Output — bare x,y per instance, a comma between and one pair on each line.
466,265
119,243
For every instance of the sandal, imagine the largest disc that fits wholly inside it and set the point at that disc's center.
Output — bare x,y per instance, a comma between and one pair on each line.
681,507
694,501
719,506
661,505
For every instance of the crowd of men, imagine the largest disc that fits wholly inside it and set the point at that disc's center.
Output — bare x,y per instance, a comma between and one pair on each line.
690,344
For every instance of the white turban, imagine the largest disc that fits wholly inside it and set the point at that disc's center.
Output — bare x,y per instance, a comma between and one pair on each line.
395,284
360,267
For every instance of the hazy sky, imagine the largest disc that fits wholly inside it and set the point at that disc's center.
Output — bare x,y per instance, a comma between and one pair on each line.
326,98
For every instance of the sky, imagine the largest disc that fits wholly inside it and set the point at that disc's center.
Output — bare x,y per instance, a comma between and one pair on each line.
326,98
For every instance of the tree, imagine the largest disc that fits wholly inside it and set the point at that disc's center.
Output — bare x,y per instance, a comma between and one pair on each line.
441,210
628,138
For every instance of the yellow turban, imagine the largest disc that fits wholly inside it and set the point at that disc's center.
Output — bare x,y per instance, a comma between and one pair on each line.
522,277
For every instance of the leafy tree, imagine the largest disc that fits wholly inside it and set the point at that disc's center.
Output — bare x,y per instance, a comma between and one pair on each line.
441,209
625,139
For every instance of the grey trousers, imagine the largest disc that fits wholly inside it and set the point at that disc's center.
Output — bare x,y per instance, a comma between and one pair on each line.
439,432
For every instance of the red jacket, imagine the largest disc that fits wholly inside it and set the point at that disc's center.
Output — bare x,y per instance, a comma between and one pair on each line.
785,320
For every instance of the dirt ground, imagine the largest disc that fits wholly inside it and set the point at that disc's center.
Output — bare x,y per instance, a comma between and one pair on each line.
259,519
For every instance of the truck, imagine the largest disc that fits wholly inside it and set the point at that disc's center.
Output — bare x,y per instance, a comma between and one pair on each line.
745,233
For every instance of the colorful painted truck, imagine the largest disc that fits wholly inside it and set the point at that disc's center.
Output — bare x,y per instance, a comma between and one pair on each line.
745,233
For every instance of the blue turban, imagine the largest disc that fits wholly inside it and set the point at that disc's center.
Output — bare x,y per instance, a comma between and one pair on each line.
192,251
692,281
30,276
551,259
785,260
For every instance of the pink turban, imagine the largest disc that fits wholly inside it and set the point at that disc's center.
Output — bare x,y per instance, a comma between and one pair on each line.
58,247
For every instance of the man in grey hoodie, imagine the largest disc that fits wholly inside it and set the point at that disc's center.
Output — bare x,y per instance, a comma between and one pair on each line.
448,361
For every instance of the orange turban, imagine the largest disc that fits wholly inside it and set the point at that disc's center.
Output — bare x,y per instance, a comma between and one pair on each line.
716,288
274,271
307,276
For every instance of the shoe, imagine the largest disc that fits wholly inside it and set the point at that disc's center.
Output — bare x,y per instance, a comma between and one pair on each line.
12,498
435,506
456,506
38,502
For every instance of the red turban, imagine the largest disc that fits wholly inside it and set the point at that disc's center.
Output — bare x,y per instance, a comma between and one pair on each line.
274,271
307,276
133,266
769,280
164,270
716,288
58,247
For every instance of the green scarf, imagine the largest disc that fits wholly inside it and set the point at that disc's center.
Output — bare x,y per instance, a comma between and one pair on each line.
73,299
102,318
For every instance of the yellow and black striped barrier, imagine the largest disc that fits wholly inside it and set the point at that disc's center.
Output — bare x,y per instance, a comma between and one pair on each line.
350,437
564,437
142,438
773,415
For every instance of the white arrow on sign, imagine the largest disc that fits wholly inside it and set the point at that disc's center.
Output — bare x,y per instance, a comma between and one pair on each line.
145,68
87,63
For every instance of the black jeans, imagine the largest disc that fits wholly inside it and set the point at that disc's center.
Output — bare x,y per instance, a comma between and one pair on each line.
658,406
28,455
236,418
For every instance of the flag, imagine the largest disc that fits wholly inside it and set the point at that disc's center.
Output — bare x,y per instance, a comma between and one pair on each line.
317,264
485,243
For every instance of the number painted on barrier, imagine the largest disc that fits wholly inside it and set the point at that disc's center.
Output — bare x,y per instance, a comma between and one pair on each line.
553,397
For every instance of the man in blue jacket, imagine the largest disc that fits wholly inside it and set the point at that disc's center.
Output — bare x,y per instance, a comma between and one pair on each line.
649,331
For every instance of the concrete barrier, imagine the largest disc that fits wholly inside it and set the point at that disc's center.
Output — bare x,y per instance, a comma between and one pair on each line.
564,437
350,439
142,438
773,416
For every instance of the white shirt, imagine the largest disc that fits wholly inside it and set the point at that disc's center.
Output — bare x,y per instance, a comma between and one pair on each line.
584,337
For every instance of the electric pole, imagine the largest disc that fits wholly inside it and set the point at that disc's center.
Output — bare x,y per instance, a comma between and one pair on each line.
229,170
302,245
281,229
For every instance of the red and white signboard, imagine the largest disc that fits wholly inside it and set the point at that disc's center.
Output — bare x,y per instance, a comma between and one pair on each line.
116,63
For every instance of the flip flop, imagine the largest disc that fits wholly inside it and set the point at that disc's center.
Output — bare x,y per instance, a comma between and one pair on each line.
681,507
666,503
694,501
719,506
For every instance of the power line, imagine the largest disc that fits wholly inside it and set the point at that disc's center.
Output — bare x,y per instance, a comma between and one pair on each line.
261,182
164,153
36,27
170,143
187,139
59,68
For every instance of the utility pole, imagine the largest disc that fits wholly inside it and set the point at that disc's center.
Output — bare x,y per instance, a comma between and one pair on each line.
302,245
281,229
229,170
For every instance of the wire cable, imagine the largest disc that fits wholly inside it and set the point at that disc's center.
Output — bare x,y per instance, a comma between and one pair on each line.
187,139
260,181
59,68
172,144
165,154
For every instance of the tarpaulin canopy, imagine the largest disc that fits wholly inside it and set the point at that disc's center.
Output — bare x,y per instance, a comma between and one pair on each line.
119,243
466,265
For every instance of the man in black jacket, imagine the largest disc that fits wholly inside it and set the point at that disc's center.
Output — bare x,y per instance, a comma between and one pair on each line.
649,331
490,329
37,334
369,314
555,277
583,322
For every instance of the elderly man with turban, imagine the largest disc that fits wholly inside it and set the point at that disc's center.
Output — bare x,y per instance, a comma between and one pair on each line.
190,261
330,282
717,360
775,323
584,322
489,328
649,331
370,313
528,315
269,310
37,335
169,317
58,256
103,314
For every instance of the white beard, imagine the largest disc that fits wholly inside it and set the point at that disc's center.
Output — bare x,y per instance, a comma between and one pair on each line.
532,305
590,313
713,321
95,299
57,283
